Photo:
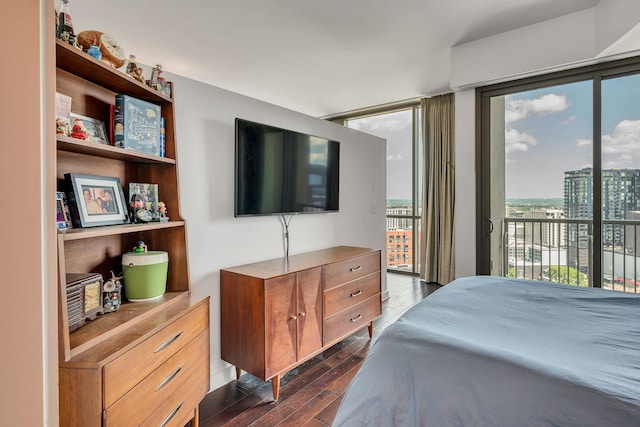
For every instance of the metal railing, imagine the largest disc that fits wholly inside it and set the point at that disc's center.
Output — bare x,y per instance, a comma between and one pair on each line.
561,250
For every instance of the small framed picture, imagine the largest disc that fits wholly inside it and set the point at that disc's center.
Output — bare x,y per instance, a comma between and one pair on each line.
143,202
63,216
92,130
96,200
63,111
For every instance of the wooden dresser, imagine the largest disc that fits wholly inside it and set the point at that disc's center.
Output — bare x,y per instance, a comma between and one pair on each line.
277,314
158,376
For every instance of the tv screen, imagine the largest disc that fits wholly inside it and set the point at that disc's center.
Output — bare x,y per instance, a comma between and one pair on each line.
280,172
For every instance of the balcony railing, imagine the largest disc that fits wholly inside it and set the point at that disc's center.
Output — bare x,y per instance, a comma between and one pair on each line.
561,250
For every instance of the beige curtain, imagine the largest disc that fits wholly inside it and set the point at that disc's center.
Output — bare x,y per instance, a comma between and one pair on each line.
437,263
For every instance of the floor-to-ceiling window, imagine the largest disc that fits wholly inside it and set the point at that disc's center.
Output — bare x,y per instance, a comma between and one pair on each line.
400,127
559,183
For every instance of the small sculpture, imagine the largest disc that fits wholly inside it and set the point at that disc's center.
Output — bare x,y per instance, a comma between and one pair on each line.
134,70
140,247
78,130
162,212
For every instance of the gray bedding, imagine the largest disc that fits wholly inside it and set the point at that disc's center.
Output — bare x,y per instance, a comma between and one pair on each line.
491,351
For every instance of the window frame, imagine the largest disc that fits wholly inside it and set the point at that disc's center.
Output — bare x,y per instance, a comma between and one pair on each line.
593,72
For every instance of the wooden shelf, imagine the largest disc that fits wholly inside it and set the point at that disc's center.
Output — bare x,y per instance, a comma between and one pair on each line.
74,145
77,62
112,355
111,230
107,325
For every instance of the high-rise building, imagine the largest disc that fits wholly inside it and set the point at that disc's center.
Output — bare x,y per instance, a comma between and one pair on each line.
550,234
620,196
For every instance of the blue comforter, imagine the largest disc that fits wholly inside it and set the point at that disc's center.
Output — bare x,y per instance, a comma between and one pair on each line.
491,351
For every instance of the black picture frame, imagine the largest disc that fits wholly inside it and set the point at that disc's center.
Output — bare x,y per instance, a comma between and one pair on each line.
96,200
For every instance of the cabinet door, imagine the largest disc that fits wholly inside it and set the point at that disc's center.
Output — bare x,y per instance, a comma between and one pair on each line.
309,311
280,323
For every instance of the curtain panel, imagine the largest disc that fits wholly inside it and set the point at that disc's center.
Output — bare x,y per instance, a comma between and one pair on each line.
437,263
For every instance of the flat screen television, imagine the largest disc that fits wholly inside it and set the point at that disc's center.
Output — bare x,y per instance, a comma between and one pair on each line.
283,172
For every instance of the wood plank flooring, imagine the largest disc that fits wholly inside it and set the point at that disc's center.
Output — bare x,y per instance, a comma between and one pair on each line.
311,393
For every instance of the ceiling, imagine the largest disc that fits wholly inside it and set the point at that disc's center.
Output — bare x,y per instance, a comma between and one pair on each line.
319,57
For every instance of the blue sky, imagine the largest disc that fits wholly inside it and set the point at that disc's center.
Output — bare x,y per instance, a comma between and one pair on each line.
397,129
549,131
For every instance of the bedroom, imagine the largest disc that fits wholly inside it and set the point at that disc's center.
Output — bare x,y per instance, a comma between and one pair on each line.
467,69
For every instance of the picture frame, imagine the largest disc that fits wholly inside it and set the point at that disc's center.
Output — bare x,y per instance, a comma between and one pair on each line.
63,113
94,129
143,202
63,215
96,200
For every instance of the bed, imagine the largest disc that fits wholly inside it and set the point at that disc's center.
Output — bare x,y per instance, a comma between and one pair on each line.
493,351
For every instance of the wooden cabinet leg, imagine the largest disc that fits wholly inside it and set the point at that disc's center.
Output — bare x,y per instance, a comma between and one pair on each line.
196,417
371,329
238,373
275,385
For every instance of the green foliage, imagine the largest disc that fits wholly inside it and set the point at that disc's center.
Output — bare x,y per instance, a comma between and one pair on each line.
570,275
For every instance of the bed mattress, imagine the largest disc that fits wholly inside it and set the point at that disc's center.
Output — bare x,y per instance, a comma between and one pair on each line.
492,351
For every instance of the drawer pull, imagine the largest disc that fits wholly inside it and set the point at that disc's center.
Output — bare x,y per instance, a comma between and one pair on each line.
168,342
171,415
354,269
302,314
169,377
356,294
355,319
294,317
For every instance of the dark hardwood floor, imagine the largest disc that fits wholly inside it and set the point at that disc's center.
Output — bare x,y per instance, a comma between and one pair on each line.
311,393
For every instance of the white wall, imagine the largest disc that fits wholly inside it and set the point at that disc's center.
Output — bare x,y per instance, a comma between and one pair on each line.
569,41
205,149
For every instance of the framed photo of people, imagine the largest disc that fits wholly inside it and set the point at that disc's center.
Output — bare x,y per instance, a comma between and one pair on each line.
96,200
143,202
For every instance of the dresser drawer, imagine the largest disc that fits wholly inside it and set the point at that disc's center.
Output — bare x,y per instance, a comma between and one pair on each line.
352,293
350,269
168,379
179,408
130,368
351,319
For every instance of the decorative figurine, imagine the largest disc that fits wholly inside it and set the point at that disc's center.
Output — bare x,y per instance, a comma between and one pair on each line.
162,212
112,294
95,52
78,130
140,247
155,75
134,70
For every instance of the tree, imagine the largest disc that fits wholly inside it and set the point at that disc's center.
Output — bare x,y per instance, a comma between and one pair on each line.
569,275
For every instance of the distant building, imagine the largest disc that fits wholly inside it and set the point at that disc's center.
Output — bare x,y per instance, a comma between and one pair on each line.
551,234
399,223
620,195
399,248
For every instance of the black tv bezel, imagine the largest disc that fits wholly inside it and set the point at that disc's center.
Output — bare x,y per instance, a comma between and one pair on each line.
239,120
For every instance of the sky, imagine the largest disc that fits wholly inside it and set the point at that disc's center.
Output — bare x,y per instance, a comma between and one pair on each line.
397,129
549,131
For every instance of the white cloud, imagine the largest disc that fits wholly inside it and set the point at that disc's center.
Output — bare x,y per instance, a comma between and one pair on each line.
391,124
518,109
569,120
583,142
620,148
518,141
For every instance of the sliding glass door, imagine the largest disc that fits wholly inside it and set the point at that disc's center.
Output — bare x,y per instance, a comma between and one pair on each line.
559,162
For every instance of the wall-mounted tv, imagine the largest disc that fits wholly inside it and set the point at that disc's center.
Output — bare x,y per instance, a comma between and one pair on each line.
283,172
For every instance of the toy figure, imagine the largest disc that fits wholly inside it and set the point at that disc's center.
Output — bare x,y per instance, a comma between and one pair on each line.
140,247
